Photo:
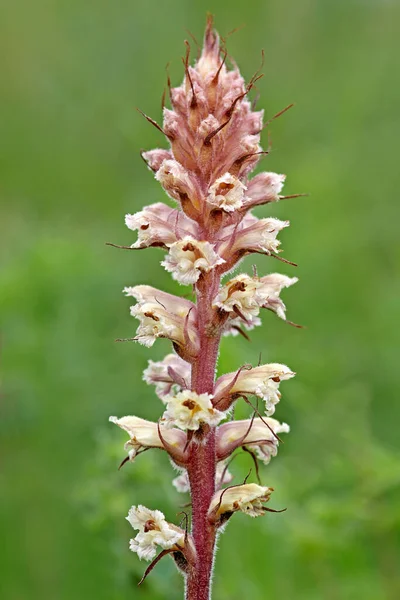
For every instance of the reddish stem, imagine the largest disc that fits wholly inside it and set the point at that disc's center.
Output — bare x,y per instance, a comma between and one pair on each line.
202,462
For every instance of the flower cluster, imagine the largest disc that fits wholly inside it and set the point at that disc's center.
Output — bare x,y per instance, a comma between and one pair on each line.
214,137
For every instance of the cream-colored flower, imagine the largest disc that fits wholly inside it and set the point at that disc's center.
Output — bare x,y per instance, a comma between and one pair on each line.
222,477
170,375
239,296
254,235
188,410
154,531
159,225
145,434
162,315
244,295
258,434
189,258
175,179
227,193
247,498
262,381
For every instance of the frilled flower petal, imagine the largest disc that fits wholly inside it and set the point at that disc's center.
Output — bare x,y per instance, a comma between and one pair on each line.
163,315
247,498
243,296
255,433
227,193
188,410
262,381
154,531
189,258
271,287
146,434
159,225
170,375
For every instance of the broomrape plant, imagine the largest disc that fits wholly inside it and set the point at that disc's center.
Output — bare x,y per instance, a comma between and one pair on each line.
214,137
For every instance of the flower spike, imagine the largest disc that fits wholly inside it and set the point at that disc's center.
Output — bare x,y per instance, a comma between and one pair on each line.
213,133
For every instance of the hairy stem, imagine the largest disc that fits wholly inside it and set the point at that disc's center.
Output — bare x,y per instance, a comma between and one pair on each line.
202,462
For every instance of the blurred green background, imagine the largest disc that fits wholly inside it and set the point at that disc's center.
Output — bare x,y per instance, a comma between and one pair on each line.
72,73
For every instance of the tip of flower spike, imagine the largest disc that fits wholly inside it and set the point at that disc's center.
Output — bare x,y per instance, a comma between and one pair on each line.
209,59
211,41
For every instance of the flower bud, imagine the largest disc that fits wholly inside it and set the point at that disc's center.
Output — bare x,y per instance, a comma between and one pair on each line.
209,61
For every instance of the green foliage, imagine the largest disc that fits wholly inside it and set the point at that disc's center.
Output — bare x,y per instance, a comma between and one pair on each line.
70,170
